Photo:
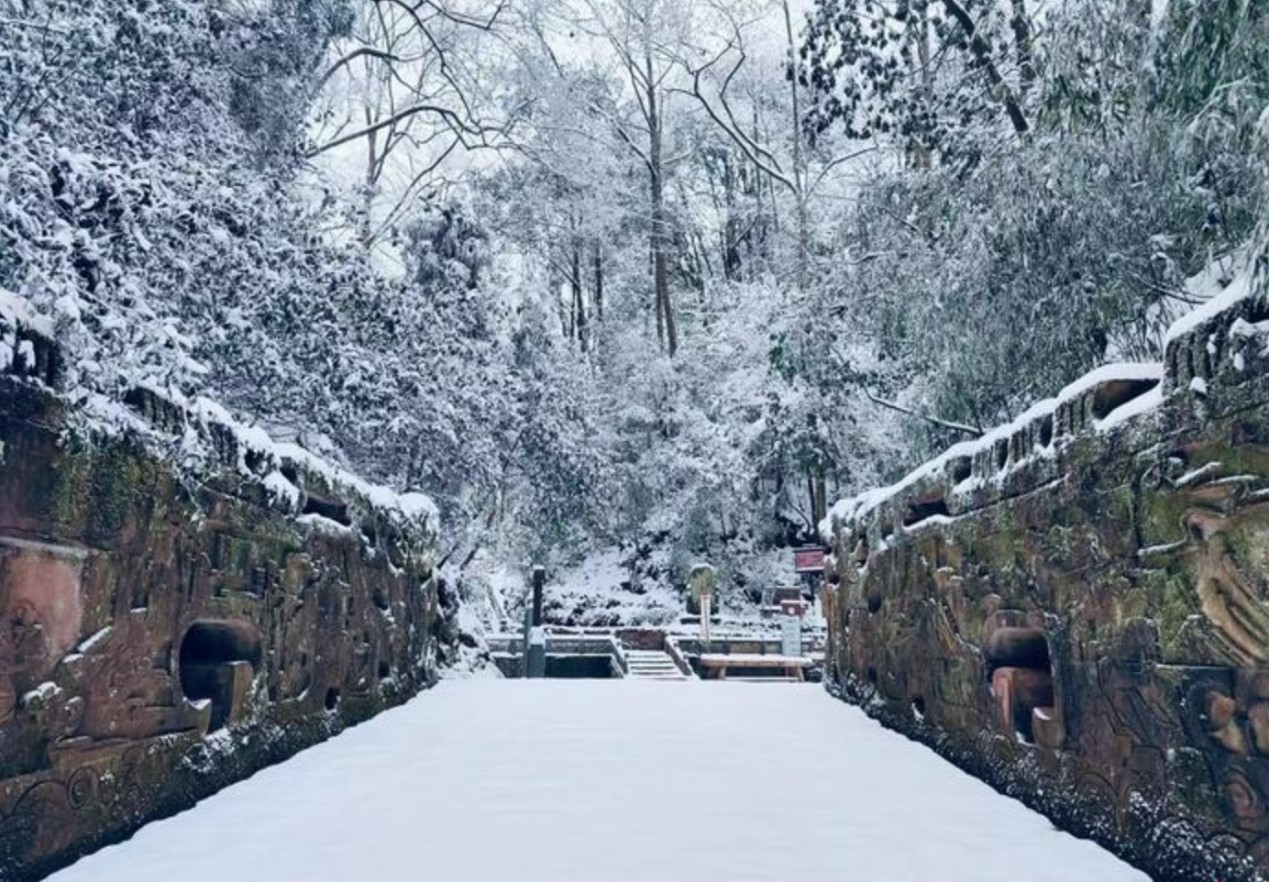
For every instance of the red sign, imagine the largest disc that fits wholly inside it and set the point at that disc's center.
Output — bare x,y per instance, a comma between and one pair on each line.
808,560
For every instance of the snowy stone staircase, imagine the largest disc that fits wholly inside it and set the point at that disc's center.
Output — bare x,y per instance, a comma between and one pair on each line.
652,665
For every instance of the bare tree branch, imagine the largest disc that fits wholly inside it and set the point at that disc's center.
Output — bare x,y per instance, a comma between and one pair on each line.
981,49
350,57
937,421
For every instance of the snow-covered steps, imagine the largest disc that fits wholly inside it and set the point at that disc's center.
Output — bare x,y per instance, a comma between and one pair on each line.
651,664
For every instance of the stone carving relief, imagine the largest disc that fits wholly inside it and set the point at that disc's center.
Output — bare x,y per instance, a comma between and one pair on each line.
1080,614
151,615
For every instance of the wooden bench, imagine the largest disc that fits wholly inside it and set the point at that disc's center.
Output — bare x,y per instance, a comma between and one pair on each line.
794,666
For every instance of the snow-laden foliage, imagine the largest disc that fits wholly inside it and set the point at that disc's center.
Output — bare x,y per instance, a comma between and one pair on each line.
995,276
934,75
134,138
147,152
708,274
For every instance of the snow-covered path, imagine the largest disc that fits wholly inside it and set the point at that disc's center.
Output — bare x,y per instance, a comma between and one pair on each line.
606,781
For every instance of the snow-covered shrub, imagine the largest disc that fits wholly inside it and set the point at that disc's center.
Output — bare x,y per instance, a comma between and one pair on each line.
135,200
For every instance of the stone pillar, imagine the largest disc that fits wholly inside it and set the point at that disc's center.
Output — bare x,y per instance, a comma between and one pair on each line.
539,584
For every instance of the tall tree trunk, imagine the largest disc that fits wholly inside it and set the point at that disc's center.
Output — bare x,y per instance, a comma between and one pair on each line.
799,169
731,232
656,293
923,155
981,50
555,286
821,494
660,266
1021,24
579,302
599,283
368,187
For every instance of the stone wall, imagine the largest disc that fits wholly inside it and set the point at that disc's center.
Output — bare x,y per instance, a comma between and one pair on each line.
1076,607
167,630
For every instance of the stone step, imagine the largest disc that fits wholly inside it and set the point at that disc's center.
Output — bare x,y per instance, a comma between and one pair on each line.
645,664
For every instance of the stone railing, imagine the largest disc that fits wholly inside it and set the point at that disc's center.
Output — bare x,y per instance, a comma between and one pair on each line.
508,650
1075,607
167,629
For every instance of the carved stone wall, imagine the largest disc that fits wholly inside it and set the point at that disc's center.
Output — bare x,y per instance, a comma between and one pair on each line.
166,631
1076,608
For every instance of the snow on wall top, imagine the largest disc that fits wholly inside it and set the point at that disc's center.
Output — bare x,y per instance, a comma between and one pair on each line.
1228,303
856,507
1237,291
202,427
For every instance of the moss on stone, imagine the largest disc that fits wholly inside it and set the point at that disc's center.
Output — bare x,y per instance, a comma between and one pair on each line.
119,476
1170,602
69,499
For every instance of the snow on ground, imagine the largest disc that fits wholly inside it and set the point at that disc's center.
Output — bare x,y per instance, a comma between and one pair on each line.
591,593
584,780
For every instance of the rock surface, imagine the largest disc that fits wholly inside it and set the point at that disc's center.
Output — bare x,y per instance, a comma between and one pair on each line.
167,629
1076,608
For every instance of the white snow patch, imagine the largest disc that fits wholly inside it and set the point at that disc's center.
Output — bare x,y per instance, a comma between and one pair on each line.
16,311
319,522
1129,409
41,693
740,659
413,506
1166,548
1251,331
94,640
1121,371
1237,290
282,490
1197,475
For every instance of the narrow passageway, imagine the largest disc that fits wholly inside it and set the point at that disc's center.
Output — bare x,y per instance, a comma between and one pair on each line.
590,781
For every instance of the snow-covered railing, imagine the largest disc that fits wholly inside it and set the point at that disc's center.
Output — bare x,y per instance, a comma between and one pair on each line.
675,652
1225,340
565,645
1220,345
946,485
